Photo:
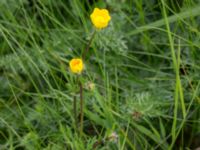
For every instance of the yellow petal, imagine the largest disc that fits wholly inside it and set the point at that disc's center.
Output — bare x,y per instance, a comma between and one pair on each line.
100,18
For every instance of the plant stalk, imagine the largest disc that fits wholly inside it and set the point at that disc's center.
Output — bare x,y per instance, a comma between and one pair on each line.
88,46
81,108
75,113
81,86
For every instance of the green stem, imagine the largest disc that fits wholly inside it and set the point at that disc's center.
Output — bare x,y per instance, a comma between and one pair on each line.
81,86
88,46
81,108
75,113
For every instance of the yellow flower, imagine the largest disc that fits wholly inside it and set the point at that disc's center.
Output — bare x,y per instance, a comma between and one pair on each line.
100,18
76,65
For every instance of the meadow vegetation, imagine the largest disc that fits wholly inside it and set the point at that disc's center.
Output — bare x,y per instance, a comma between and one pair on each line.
140,83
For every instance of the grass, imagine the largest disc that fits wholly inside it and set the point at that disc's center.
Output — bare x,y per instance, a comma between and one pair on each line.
140,83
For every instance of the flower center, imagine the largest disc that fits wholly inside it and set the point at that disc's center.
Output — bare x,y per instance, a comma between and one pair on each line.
100,19
76,62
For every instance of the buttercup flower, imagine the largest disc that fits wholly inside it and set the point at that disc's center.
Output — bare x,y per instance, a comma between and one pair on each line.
76,65
100,18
